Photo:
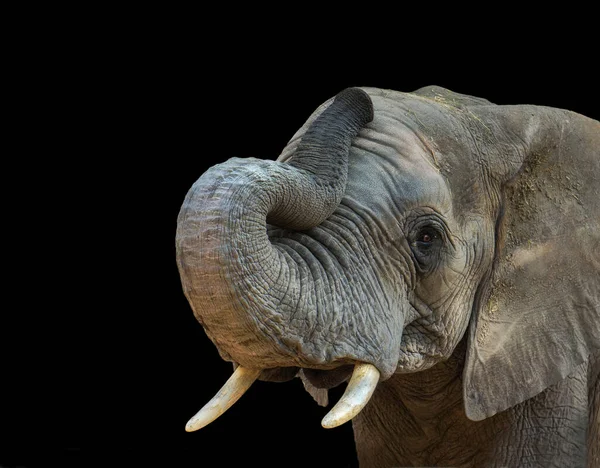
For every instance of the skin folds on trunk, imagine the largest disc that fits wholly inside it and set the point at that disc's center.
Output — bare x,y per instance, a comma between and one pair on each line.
280,298
277,278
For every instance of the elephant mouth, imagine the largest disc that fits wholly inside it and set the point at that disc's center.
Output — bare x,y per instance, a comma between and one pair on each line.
318,378
364,378
327,379
316,382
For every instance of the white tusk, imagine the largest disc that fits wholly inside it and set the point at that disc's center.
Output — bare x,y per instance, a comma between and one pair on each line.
234,388
358,392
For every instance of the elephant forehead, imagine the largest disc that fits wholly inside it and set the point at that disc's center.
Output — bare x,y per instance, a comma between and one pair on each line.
394,168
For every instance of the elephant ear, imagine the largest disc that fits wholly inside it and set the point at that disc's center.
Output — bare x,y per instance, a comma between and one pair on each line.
537,316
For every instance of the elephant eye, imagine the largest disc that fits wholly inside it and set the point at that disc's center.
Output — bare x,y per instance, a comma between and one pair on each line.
427,241
426,238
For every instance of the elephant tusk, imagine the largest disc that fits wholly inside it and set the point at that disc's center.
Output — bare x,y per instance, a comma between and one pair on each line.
358,392
234,388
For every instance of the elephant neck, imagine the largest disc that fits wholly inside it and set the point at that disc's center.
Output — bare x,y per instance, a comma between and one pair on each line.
419,420
420,417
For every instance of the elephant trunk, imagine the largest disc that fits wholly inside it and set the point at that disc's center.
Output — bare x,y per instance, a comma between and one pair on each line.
243,289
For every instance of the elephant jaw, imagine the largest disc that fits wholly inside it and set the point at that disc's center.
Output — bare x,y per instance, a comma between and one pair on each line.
358,392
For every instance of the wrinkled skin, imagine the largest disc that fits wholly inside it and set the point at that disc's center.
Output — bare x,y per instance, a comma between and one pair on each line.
451,243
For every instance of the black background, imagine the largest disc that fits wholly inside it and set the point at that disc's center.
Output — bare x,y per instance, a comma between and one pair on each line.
108,363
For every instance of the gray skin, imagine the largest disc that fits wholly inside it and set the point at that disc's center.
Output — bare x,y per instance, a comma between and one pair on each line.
452,243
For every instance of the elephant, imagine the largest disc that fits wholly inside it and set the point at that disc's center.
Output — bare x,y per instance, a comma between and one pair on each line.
436,253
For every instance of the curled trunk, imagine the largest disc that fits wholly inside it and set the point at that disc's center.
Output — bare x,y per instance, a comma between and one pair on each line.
267,297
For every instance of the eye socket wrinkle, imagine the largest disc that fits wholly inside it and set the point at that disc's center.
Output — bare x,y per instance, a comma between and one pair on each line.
427,222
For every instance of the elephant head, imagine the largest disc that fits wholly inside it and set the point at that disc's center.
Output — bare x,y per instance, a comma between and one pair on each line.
392,226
